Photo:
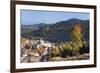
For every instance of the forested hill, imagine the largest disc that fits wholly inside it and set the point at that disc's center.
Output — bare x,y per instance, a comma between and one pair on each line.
59,31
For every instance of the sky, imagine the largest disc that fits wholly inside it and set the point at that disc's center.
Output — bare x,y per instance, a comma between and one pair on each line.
30,17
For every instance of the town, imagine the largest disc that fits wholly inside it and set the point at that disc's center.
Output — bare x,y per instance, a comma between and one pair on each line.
39,50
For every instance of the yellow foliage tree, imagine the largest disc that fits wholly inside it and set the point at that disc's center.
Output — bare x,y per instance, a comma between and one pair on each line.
76,37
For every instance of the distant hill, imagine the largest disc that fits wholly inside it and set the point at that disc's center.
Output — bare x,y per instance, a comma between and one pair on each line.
59,31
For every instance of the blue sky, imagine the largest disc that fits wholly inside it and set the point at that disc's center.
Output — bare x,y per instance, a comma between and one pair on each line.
29,17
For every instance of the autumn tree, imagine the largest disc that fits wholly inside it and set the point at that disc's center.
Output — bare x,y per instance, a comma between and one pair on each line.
76,37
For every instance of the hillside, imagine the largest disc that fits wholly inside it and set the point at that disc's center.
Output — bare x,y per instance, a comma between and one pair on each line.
57,32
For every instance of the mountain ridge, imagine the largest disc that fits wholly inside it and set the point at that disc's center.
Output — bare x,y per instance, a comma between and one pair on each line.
58,31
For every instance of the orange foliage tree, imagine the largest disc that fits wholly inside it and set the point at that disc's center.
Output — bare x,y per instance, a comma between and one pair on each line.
76,37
